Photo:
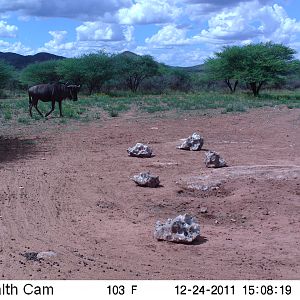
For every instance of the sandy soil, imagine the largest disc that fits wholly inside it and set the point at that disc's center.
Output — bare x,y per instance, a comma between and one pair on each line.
68,190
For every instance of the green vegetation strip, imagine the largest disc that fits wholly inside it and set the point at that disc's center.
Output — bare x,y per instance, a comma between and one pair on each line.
90,108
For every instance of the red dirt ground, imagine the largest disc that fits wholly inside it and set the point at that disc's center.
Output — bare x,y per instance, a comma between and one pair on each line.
68,190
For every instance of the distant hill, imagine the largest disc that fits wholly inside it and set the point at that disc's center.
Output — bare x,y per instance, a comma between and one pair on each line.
197,68
21,61
128,54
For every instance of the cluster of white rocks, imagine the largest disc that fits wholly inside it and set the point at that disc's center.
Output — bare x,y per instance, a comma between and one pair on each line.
183,228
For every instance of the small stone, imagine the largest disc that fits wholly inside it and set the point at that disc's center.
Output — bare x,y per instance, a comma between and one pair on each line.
30,255
214,160
233,220
46,254
145,179
37,256
193,142
140,150
216,222
182,229
203,210
244,217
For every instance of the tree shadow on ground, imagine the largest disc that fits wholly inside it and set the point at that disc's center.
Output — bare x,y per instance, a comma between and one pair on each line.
15,148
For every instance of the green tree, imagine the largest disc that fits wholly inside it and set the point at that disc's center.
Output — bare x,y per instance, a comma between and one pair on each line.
265,63
6,73
43,72
96,69
71,70
133,69
225,66
179,80
293,78
254,64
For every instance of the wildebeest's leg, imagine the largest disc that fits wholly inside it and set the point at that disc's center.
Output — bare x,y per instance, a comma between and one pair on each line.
30,109
36,107
30,105
60,108
52,109
34,102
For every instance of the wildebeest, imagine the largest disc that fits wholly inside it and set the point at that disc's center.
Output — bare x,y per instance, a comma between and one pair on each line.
51,92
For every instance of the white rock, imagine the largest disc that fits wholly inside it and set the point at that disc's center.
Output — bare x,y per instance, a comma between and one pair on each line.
203,210
146,179
46,254
182,229
193,142
214,160
140,150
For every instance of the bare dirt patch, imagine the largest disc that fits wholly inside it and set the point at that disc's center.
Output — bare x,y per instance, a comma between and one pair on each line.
72,194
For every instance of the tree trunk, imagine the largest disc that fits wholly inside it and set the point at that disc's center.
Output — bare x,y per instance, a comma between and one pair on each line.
254,89
130,83
91,88
232,89
259,87
235,85
227,81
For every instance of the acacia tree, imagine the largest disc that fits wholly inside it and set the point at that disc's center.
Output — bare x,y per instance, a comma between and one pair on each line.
265,63
254,64
179,80
43,72
92,70
71,70
96,69
133,69
225,66
6,73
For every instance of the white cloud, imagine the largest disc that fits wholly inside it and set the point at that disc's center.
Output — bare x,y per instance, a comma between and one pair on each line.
16,47
176,56
249,22
86,44
168,35
99,31
277,26
230,26
246,23
57,41
57,45
7,30
149,12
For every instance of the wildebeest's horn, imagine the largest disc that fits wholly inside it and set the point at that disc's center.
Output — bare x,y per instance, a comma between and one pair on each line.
67,83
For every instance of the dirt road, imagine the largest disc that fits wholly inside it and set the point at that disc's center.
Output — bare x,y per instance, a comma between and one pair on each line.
68,190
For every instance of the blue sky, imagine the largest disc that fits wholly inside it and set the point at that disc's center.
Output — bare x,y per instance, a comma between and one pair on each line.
182,33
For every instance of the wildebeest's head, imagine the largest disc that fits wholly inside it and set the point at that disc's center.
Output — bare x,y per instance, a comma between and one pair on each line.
72,91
